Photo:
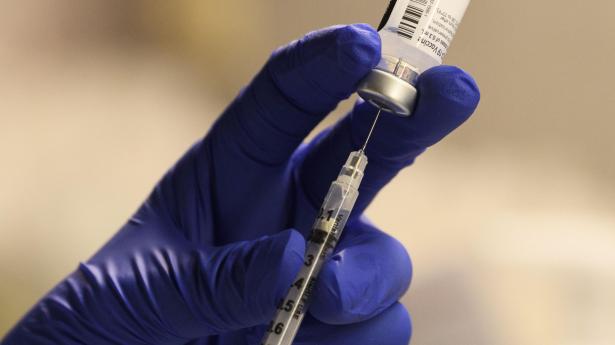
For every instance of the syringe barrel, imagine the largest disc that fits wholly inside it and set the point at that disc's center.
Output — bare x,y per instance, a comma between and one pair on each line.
326,231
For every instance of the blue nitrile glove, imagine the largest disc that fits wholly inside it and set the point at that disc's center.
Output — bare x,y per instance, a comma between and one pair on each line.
221,237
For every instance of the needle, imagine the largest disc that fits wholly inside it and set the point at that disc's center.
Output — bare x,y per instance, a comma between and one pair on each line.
362,150
369,135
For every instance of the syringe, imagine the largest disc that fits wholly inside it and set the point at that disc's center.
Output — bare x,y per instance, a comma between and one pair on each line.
326,231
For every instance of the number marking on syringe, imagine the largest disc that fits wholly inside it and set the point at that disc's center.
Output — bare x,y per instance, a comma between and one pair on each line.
319,236
304,298
322,240
326,240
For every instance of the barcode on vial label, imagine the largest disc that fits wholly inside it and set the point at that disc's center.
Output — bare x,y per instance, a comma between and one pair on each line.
411,18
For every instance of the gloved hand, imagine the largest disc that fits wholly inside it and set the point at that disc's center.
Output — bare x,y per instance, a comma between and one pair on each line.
221,237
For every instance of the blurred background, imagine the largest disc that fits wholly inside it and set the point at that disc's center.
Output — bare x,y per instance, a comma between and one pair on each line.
510,221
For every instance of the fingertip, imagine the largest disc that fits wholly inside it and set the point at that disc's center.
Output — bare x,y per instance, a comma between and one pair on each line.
324,67
359,48
402,318
451,83
327,304
273,268
447,97
392,326
370,273
291,248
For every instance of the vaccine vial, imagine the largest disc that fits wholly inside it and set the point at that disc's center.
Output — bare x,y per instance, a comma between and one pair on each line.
415,36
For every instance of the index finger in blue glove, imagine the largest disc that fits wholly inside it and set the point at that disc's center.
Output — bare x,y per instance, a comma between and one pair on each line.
241,163
447,96
299,85
369,272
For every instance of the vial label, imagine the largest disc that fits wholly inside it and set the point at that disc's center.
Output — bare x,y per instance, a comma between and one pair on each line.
430,25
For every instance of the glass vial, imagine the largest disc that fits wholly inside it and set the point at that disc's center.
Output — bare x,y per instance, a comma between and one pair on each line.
415,36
